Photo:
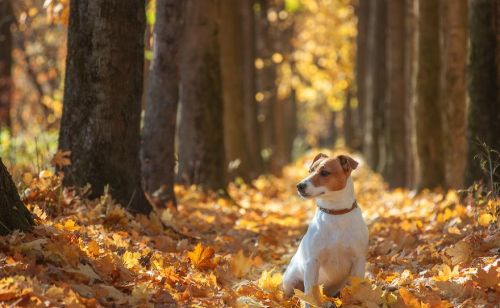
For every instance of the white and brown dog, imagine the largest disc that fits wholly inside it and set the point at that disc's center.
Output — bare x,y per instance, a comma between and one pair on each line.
335,245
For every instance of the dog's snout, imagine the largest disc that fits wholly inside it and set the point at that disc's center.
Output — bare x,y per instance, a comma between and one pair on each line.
301,186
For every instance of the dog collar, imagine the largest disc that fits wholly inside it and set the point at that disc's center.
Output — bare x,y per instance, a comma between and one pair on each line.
338,212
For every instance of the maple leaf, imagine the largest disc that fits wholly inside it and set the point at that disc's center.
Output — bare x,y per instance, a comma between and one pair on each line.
61,159
460,253
490,277
202,257
313,297
269,281
131,259
240,265
409,299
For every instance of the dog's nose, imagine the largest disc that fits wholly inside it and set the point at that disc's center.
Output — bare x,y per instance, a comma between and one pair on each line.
301,186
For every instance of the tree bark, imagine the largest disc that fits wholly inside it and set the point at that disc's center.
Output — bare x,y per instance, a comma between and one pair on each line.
483,117
100,124
453,28
231,61
201,136
13,214
249,87
373,143
363,14
6,45
396,104
428,108
158,150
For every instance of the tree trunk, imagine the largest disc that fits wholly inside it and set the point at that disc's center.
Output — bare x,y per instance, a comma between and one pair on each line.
375,86
396,104
483,118
363,13
249,88
201,135
428,119
349,132
410,69
231,61
453,28
13,214
266,85
158,151
100,124
6,45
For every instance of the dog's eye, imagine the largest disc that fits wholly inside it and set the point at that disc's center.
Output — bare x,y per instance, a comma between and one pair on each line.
324,173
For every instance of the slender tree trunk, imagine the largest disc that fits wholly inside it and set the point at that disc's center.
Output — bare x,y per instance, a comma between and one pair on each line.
201,136
375,86
396,104
428,108
349,133
483,117
363,14
13,214
453,27
158,151
410,69
249,87
231,61
266,85
100,124
6,46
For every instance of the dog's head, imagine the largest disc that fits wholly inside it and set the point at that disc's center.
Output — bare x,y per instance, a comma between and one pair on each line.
326,174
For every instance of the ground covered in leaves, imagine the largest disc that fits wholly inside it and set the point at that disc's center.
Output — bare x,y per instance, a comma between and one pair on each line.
426,250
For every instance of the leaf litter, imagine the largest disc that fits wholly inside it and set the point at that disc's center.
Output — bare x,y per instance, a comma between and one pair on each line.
427,250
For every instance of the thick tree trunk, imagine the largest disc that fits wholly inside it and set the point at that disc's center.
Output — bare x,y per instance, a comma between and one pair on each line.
483,118
13,214
453,28
158,150
201,136
396,104
410,77
102,99
249,87
373,145
6,46
428,108
231,61
363,14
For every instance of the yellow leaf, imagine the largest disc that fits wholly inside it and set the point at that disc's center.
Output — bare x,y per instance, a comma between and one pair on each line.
131,259
93,248
485,219
202,257
240,265
269,281
70,225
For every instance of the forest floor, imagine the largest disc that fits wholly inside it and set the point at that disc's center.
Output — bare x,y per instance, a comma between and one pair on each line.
428,250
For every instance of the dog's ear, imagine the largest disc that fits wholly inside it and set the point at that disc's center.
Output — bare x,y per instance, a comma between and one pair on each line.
316,158
347,163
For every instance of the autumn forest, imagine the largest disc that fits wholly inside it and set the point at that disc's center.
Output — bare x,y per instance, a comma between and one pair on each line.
151,150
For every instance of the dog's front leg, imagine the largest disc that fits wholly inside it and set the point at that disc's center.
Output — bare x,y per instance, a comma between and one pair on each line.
311,278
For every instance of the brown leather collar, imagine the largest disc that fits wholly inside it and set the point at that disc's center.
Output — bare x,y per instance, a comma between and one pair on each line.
338,212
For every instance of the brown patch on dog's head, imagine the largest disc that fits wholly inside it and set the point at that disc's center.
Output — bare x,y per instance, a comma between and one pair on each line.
332,173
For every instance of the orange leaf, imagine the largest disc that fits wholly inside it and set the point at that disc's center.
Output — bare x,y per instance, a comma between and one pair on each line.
202,257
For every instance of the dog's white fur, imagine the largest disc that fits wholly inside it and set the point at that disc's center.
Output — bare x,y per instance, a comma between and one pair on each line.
334,247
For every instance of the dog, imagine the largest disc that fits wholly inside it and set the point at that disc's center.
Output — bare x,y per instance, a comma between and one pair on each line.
336,242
